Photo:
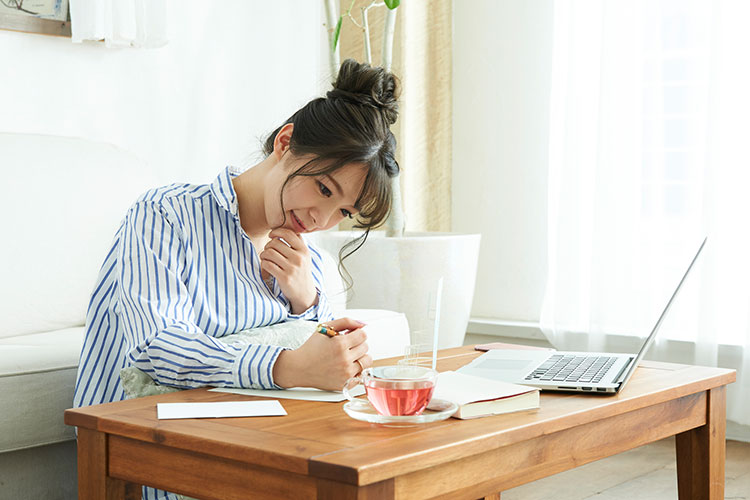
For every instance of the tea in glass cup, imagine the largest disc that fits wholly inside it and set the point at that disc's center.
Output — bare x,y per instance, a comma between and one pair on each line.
396,390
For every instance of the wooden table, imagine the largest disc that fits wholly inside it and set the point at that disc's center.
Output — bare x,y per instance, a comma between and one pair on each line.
317,451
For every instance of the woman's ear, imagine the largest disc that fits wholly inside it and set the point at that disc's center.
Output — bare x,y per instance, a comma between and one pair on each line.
282,140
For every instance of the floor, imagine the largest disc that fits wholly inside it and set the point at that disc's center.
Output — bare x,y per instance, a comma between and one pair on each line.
645,473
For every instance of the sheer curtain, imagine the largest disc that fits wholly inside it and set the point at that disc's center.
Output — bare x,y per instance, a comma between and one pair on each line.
120,23
649,153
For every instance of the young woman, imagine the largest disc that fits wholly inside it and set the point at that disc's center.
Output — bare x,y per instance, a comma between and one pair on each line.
192,264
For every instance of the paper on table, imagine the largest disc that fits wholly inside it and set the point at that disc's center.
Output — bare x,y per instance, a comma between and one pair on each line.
304,393
219,409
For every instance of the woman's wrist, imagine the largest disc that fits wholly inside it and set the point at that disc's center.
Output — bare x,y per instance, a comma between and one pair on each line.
286,369
301,305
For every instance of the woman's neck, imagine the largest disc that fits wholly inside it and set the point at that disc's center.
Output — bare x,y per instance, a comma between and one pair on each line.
250,189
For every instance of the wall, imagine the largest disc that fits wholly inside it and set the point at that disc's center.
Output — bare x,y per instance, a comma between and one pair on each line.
501,63
231,73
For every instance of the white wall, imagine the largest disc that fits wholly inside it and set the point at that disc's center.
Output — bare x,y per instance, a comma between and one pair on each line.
232,71
502,53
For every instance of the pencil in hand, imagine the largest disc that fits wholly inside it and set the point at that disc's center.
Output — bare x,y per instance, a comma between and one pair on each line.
326,330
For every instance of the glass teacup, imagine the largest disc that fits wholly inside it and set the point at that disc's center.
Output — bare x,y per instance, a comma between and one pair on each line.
396,390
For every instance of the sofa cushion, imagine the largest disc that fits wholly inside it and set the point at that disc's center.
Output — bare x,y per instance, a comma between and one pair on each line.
37,377
62,203
40,352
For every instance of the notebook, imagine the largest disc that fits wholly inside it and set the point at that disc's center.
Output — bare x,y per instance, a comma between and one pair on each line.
481,397
593,372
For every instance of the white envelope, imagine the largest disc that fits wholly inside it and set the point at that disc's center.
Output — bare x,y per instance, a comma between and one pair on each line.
219,409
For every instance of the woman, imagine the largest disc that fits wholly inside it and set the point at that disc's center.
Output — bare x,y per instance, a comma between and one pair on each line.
192,264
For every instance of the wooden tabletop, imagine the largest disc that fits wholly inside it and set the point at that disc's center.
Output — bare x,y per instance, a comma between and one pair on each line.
318,440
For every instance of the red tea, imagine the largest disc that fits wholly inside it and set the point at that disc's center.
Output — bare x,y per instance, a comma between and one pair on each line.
404,397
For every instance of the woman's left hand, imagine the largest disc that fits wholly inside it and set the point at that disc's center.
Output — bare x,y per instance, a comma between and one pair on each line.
290,263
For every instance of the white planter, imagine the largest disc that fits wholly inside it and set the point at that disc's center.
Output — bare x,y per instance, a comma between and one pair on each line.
401,274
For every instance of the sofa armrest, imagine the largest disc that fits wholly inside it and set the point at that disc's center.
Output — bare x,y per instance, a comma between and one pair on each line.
387,331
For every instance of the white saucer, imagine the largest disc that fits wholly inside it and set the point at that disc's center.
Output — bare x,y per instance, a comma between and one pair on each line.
439,409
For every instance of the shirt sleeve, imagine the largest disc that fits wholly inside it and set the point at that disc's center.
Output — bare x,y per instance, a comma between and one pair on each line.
321,311
159,320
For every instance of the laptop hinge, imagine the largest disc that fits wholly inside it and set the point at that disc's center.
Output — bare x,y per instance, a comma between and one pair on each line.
623,371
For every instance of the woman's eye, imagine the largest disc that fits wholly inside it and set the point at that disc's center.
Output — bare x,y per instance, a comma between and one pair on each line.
346,213
324,190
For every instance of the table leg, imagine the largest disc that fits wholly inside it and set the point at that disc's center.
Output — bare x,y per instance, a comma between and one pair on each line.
701,453
93,482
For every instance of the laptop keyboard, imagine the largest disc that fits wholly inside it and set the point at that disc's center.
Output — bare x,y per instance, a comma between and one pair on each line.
566,368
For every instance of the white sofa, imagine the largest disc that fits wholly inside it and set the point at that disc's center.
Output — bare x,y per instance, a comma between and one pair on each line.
62,203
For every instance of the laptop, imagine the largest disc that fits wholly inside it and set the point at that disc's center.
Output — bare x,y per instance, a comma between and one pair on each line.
592,372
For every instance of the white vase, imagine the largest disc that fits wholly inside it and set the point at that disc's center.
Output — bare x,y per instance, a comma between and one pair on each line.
401,274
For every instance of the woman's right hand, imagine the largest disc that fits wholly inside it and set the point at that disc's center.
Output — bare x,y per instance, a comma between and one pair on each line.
325,362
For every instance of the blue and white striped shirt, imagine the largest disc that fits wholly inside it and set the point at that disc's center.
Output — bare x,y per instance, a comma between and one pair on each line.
182,274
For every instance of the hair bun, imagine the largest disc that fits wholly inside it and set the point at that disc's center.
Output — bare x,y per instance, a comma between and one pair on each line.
361,84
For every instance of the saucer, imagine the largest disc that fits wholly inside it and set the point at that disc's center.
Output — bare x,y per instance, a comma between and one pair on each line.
439,409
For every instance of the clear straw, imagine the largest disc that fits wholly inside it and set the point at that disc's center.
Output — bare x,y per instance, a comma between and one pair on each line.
438,299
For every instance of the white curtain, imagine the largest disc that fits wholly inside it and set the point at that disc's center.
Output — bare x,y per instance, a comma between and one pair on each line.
120,23
648,153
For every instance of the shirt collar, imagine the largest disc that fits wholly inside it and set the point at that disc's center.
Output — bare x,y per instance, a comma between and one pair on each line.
223,190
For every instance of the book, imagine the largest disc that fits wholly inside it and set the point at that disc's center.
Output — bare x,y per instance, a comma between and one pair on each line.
481,397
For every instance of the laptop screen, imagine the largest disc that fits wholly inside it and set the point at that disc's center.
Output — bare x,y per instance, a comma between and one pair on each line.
650,340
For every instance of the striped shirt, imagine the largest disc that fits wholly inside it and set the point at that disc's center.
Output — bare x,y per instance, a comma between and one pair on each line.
182,274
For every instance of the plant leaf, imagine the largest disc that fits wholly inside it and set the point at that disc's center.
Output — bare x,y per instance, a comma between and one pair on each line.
392,4
336,33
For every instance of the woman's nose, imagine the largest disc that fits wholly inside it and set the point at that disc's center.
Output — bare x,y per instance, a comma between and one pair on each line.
323,216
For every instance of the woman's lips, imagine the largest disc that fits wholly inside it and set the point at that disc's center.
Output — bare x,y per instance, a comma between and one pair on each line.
298,222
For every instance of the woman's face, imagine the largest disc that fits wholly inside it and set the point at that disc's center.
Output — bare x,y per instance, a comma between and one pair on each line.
314,203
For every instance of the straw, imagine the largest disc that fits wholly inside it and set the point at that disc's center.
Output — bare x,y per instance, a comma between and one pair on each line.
437,321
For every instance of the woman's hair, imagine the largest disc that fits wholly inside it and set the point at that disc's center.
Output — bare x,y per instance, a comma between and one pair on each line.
351,124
